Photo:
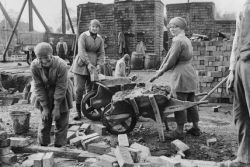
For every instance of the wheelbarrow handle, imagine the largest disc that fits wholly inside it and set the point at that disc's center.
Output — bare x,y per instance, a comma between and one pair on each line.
211,91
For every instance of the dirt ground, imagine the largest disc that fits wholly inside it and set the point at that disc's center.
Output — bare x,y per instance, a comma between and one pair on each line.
217,125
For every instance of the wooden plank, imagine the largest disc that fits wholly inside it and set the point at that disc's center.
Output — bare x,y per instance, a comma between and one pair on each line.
134,105
157,117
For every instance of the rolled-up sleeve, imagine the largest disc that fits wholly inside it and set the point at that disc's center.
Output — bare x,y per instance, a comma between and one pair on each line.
235,46
39,86
61,84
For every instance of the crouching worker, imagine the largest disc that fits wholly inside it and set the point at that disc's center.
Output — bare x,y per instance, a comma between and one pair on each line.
53,94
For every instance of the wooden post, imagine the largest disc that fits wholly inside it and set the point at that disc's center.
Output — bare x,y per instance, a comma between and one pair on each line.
70,21
77,33
31,27
63,17
14,29
157,117
7,17
134,104
40,17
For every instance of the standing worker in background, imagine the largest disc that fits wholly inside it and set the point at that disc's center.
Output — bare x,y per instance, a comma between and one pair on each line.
120,68
62,48
90,55
52,44
53,94
184,80
239,82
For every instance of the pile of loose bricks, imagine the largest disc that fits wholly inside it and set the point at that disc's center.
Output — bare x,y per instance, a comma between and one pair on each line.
211,60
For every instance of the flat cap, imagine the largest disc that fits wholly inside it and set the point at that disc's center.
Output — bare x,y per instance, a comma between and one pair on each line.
43,49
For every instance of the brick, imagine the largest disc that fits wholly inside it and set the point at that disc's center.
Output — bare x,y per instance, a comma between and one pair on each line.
74,128
145,151
100,129
3,135
9,158
23,102
210,48
211,141
70,135
123,140
99,148
19,142
180,147
38,160
85,128
48,159
85,143
135,154
5,151
170,162
106,160
196,53
214,73
4,143
85,155
123,157
209,58
77,140
145,164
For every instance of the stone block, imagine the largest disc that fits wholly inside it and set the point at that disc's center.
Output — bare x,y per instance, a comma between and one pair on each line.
9,158
85,143
48,159
211,141
145,151
5,151
123,140
3,135
85,155
85,128
106,160
170,162
99,148
74,128
70,135
19,142
77,140
4,143
99,128
123,157
38,160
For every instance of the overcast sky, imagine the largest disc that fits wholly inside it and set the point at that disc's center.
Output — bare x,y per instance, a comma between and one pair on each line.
51,9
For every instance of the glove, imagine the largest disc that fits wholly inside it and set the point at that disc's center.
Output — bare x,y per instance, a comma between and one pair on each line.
56,113
45,113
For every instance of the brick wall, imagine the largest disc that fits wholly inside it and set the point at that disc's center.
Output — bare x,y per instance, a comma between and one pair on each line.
211,61
201,18
138,20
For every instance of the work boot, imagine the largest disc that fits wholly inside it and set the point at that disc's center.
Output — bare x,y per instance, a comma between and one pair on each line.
79,114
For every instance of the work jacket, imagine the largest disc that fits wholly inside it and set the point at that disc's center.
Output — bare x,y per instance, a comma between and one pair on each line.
56,89
90,50
178,61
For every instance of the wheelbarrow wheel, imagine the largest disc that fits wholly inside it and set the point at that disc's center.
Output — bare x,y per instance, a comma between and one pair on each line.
89,111
119,118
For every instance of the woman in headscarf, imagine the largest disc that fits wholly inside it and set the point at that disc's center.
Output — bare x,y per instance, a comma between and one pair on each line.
90,55
184,80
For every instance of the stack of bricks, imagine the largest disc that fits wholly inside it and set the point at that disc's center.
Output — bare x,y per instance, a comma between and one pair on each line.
6,155
138,20
211,59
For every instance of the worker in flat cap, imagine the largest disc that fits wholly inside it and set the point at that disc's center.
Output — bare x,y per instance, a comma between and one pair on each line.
90,55
53,94
62,48
183,80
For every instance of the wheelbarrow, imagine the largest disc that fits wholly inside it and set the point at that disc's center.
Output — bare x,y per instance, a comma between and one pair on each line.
121,115
94,102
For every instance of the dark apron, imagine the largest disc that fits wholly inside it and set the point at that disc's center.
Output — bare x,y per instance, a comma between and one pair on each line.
61,52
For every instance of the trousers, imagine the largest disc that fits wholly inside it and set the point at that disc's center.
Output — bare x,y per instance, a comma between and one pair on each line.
60,132
82,86
189,115
241,109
